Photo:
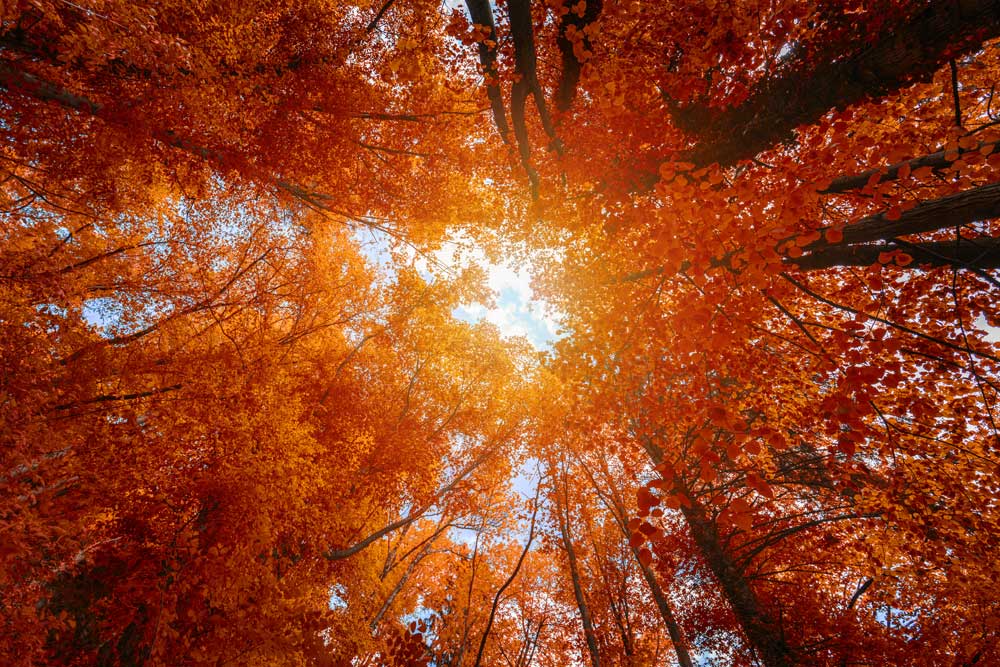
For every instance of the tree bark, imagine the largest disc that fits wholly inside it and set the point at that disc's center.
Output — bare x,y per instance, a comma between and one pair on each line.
570,76
975,254
617,508
961,208
507,583
581,602
481,14
901,54
398,588
666,613
762,632
937,160
347,552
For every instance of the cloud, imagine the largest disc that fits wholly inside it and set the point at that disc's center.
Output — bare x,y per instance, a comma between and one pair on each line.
515,313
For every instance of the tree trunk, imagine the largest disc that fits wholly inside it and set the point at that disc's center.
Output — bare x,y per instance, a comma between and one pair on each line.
581,602
974,254
961,208
762,632
901,54
676,636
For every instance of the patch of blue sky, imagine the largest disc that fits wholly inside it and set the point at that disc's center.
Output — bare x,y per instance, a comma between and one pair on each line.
102,313
992,332
376,247
338,597
515,311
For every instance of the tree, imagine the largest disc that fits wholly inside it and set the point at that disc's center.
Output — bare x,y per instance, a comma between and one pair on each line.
768,436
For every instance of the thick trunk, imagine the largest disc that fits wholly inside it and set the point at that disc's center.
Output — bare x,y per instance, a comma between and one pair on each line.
961,208
673,628
975,254
570,76
481,14
762,632
16,79
938,160
901,54
526,83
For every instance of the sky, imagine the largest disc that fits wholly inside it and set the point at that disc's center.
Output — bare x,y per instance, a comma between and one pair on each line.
515,312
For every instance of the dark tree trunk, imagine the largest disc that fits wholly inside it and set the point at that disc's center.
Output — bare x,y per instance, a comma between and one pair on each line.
574,571
901,54
763,633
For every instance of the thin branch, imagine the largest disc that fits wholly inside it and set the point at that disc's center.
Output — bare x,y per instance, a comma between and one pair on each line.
510,579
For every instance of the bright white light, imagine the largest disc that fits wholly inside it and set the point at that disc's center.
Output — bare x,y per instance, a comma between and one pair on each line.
515,311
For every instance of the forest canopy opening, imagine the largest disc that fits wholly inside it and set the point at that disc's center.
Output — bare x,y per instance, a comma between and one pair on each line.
499,333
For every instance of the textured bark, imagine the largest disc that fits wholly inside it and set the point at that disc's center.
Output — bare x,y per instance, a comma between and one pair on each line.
570,75
937,160
666,613
763,633
976,254
581,601
480,12
902,54
962,208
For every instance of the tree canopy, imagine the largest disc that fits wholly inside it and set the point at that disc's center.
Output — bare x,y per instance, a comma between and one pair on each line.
234,430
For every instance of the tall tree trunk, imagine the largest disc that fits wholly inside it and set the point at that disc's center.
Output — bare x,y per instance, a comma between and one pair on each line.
901,54
666,613
399,587
763,633
581,602
617,508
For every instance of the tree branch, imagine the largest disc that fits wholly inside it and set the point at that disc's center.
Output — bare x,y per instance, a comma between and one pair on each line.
962,208
901,54
937,160
976,254
347,552
570,76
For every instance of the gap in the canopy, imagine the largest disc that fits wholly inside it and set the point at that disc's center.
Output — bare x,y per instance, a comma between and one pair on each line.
516,311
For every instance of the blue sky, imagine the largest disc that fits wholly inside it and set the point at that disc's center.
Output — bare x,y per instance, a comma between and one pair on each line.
515,312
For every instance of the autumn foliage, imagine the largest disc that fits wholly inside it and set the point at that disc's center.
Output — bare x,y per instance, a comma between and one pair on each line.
245,418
